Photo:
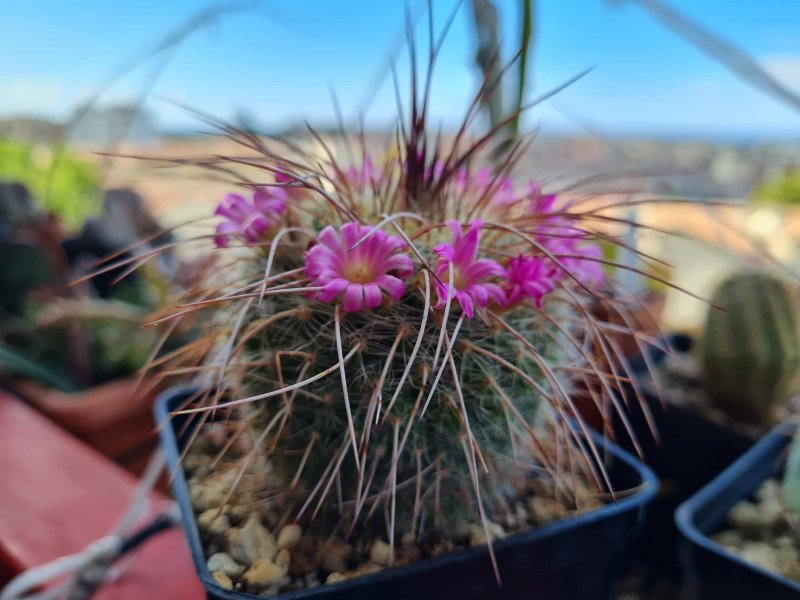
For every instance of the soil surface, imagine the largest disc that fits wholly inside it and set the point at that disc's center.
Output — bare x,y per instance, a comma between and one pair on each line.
252,545
764,533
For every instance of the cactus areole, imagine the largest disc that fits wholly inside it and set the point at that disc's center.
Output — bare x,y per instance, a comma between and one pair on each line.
750,353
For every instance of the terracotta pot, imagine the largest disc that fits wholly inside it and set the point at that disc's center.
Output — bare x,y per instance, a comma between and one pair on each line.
115,418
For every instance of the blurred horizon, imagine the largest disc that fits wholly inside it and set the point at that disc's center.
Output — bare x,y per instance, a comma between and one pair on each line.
272,65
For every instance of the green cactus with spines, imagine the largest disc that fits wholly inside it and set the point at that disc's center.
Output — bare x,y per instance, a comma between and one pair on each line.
750,351
304,341
361,417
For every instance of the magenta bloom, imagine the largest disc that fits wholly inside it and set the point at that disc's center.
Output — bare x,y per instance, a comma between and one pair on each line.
529,277
541,204
478,183
470,273
566,243
587,268
362,274
576,255
249,219
504,194
364,176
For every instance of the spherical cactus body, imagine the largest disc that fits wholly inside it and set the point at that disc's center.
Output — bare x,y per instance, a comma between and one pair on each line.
751,345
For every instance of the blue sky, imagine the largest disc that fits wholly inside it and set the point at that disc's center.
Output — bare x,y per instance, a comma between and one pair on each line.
279,60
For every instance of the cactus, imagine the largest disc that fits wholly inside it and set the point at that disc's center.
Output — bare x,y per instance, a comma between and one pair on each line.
398,337
751,348
400,368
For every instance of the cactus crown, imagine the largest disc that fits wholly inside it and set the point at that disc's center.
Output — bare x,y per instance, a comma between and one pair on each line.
751,348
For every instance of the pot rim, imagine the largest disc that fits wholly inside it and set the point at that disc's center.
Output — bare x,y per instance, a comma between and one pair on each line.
736,474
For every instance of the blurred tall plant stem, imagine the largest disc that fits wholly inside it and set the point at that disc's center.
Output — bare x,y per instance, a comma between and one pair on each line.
488,57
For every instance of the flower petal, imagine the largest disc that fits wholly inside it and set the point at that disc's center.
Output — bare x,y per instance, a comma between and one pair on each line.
483,268
353,297
352,232
478,293
401,264
223,233
372,295
392,286
445,252
465,301
466,249
333,290
255,228
330,239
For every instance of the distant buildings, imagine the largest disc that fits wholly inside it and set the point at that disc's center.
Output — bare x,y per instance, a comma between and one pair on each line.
97,126
34,131
111,125
690,168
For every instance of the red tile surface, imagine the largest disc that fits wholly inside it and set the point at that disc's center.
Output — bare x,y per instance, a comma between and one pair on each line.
57,495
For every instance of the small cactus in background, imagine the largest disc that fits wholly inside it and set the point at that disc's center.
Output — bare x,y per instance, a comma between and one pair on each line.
750,353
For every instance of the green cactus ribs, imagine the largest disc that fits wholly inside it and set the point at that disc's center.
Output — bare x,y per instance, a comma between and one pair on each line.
751,347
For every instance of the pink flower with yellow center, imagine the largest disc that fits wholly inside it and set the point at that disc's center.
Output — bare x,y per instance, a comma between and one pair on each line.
364,273
529,277
469,272
249,219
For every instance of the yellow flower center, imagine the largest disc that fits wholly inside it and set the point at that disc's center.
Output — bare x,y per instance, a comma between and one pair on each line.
358,271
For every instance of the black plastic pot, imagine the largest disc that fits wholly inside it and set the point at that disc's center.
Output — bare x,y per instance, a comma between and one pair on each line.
689,452
572,559
710,570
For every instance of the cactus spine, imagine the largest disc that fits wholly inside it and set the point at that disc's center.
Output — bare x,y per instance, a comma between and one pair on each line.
751,348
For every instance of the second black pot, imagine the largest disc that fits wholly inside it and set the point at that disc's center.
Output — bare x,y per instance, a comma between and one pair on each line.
690,451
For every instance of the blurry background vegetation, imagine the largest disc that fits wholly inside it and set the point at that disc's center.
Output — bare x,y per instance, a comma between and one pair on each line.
61,182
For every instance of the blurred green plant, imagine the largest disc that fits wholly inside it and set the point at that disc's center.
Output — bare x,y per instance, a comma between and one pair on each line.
68,187
73,343
783,190
63,337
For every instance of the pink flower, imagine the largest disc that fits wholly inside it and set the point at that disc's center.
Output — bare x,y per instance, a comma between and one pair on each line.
364,176
588,269
529,277
541,204
479,183
578,257
249,219
566,243
469,285
362,274
504,194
